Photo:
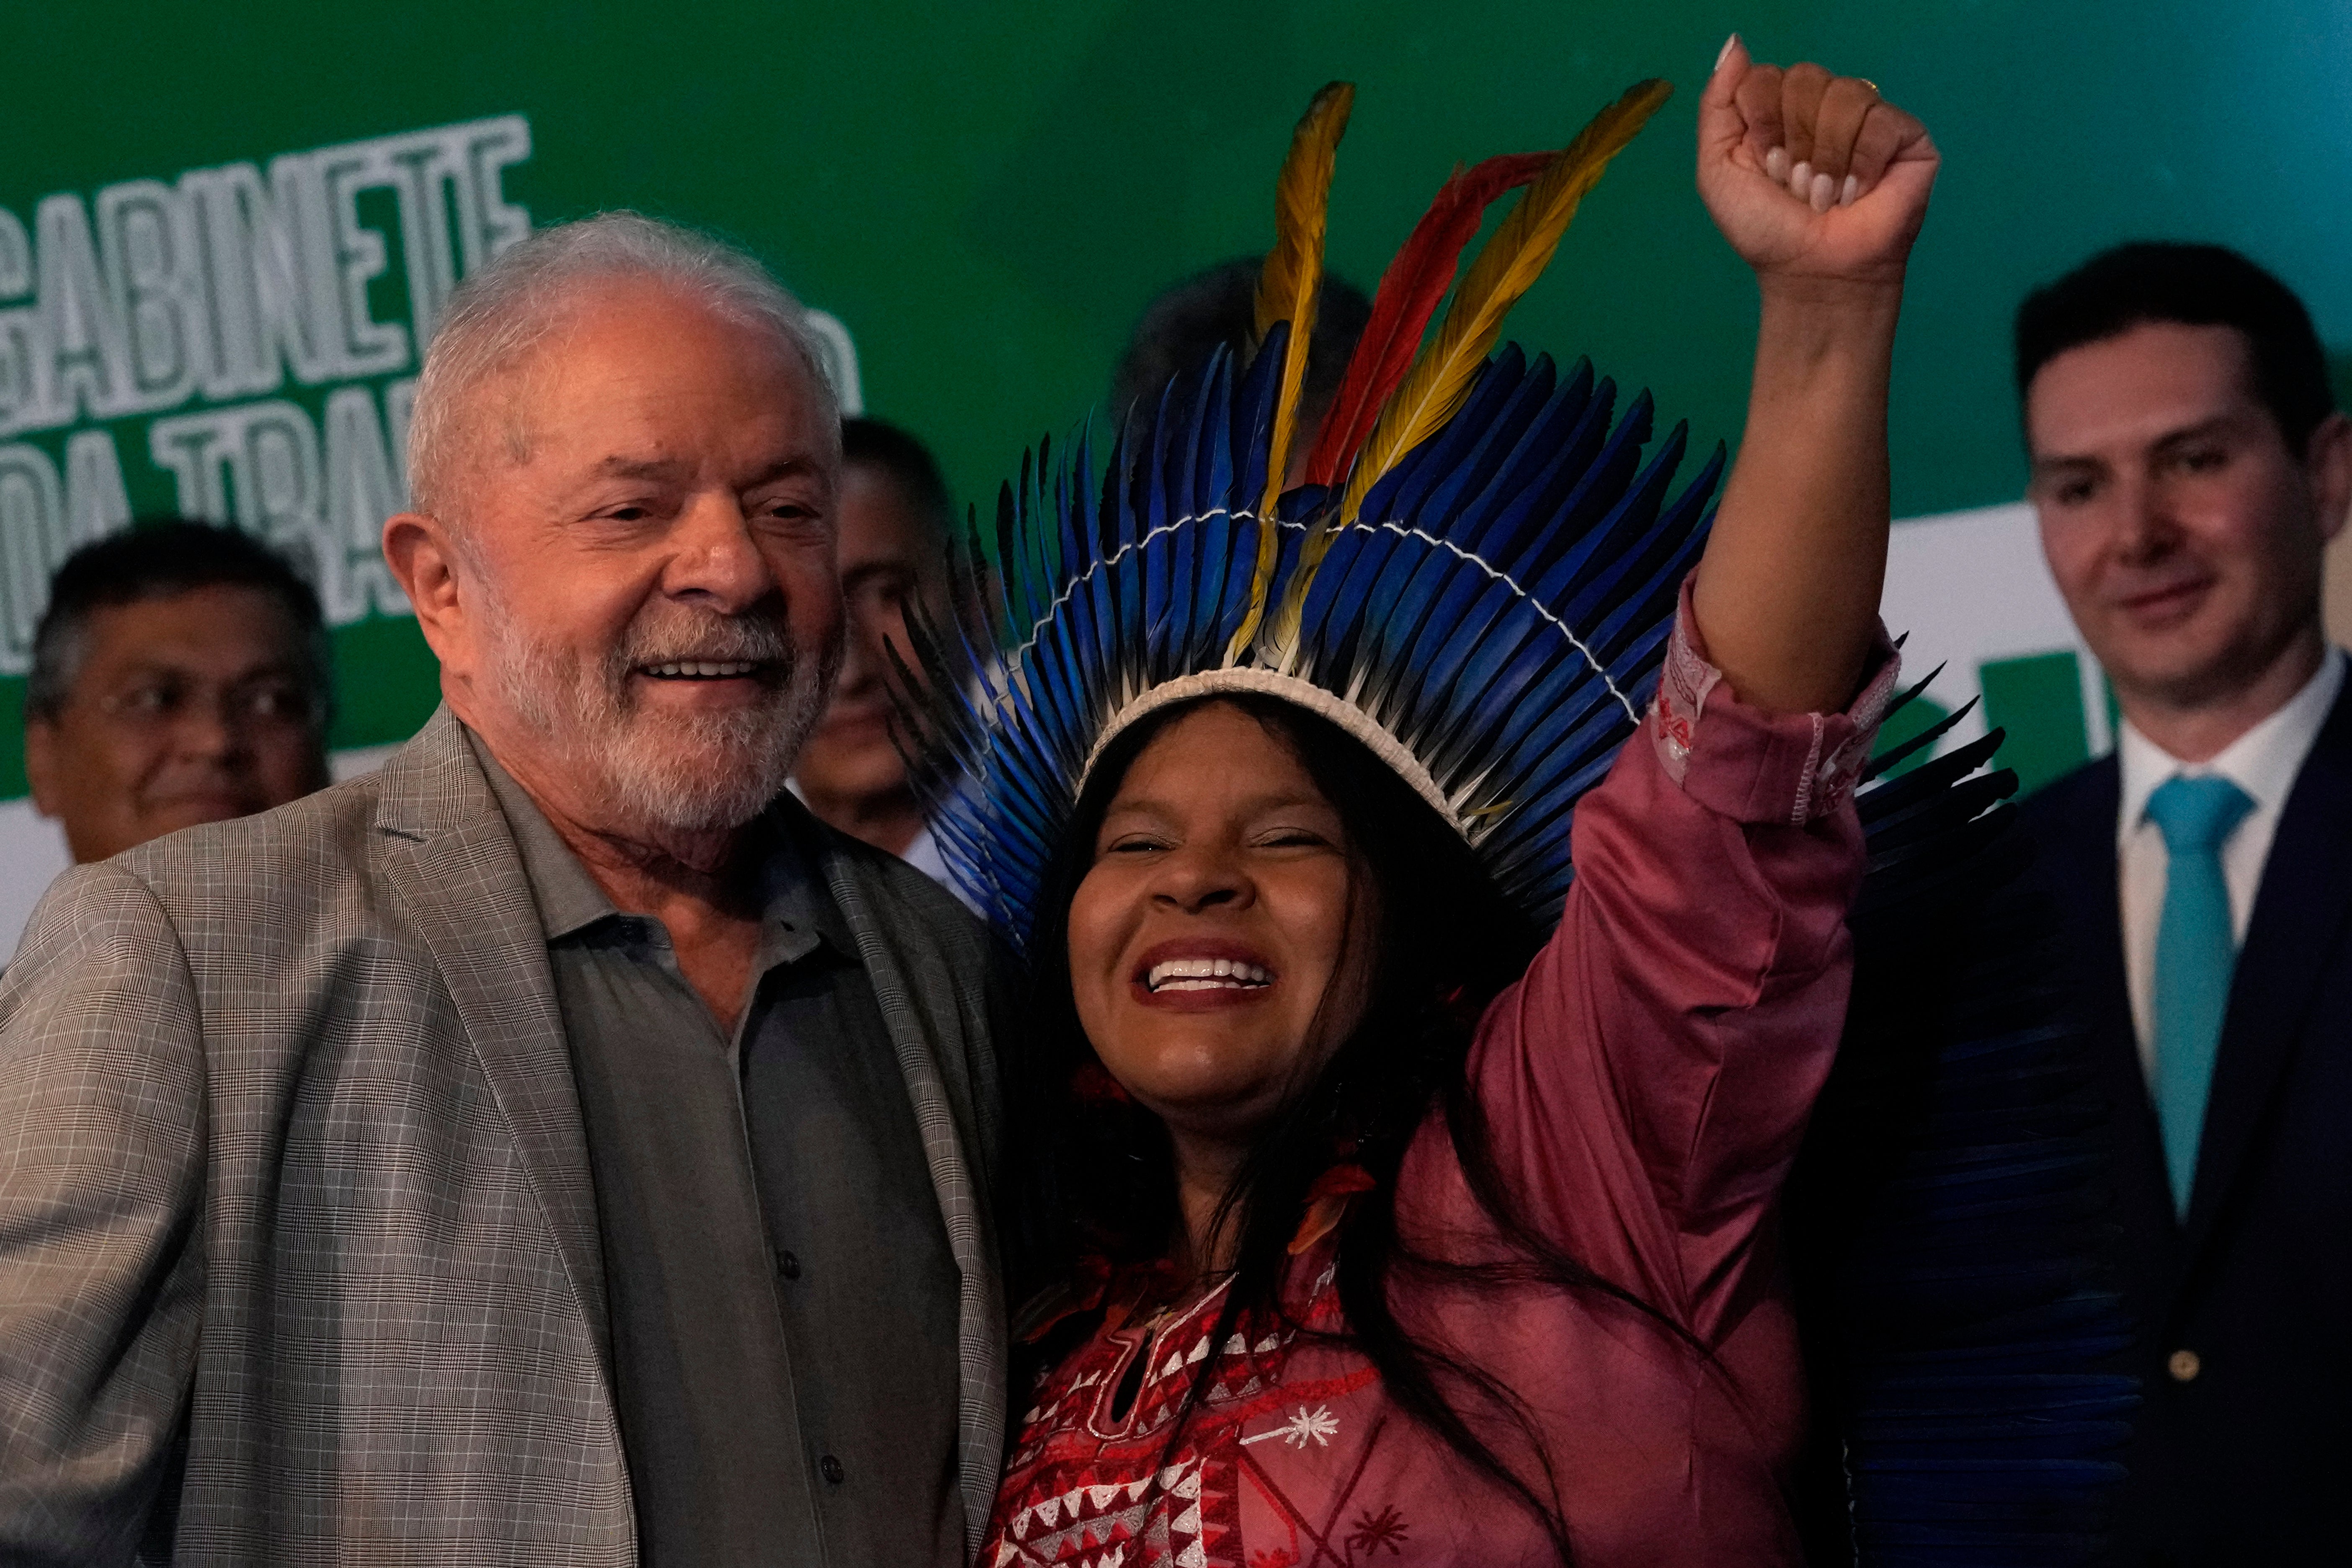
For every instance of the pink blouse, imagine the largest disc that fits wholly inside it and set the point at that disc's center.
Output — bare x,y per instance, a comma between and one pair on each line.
1646,1085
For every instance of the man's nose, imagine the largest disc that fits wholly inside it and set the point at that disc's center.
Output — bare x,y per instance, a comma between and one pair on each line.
2144,527
863,661
203,731
716,561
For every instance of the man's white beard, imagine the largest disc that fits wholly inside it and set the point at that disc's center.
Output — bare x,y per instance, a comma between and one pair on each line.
682,773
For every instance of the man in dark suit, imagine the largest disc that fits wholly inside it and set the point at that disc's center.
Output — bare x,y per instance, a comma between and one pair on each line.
2188,466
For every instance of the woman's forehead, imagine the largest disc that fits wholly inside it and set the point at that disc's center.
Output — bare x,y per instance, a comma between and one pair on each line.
1218,750
1219,741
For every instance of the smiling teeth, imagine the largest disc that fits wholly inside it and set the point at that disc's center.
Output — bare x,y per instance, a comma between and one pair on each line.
701,670
1205,974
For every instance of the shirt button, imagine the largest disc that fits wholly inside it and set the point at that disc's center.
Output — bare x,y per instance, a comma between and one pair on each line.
2184,1366
831,1469
788,1266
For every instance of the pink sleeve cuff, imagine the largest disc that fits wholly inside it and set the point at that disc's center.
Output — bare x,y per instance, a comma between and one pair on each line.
1750,766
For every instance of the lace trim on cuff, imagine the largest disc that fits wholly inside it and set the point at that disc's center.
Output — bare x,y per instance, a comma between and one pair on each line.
1840,744
1683,686
1826,787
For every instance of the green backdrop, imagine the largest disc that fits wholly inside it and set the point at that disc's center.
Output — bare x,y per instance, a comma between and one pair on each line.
984,196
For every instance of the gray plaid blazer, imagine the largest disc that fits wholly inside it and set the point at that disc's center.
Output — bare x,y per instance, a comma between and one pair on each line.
299,1256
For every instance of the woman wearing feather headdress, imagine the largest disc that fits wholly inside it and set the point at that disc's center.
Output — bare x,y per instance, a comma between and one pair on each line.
1403,1155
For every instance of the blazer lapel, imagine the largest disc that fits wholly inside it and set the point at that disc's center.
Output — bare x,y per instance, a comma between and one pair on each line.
2298,917
454,863
914,990
2083,879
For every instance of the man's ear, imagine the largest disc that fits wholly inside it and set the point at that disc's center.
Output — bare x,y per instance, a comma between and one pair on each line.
423,556
41,766
2327,458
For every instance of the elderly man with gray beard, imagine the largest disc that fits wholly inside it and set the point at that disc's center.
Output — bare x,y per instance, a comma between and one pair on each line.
557,1147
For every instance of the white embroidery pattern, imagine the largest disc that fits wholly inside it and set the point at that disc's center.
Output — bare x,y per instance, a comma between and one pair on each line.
1317,1424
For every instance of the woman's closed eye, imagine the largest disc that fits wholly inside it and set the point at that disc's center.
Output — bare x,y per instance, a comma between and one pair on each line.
1136,844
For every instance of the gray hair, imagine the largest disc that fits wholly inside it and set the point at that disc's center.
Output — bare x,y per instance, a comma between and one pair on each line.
512,305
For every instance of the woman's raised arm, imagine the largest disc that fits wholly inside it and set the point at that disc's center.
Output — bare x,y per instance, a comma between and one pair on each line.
1819,185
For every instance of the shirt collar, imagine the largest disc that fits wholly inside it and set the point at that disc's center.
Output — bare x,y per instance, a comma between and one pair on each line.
2262,762
797,909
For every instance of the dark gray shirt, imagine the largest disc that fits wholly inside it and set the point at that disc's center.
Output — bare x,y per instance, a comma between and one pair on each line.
781,1288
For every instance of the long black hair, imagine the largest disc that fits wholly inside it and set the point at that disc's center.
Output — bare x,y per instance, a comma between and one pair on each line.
1100,1175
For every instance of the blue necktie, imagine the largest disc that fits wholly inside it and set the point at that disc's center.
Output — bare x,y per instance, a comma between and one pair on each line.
2196,952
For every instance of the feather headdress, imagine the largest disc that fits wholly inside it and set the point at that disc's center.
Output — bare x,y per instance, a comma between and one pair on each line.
1477,583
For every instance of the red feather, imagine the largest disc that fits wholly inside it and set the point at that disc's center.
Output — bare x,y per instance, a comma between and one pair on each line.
1409,295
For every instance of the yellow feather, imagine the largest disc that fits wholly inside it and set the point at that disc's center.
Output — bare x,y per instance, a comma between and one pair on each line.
1438,385
1286,291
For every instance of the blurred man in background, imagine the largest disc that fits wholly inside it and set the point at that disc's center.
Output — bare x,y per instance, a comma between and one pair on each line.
2188,466
894,519
1215,308
180,675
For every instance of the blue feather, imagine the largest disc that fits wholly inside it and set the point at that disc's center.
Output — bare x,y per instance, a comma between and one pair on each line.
1152,549
1337,607
1215,529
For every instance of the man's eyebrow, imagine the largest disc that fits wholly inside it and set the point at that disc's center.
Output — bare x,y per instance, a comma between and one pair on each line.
2172,437
659,468
149,667
2192,432
793,467
2049,463
622,468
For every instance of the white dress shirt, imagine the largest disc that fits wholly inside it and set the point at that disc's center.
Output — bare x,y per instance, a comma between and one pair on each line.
2263,763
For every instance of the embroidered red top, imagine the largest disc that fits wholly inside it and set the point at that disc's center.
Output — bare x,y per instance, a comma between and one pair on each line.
1646,1084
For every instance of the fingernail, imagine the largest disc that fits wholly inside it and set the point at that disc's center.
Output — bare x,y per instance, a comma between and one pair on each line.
1724,54
1824,194
1800,180
1776,165
1852,189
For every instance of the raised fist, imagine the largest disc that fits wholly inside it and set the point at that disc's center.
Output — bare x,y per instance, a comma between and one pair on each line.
1811,176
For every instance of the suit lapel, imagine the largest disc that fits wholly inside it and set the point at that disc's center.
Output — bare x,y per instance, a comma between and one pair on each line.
924,1018
2298,916
2084,880
452,860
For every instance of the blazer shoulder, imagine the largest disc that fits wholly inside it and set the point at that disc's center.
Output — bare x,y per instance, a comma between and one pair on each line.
430,786
904,897
266,852
2067,804
100,915
2326,771
281,891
